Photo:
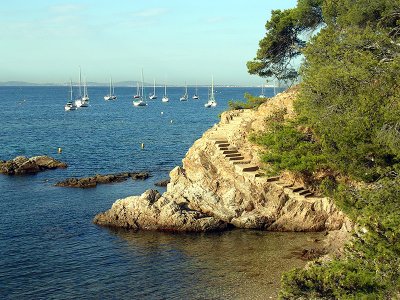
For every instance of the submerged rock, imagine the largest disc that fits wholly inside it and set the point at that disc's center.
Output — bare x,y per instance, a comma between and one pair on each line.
22,165
162,183
90,182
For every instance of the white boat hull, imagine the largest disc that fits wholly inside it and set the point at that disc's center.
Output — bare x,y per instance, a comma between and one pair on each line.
78,102
210,104
165,99
139,103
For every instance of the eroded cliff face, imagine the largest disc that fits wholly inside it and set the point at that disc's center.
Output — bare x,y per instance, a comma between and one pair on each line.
221,184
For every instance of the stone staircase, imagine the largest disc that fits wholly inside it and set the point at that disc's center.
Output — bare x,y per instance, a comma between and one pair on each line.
243,163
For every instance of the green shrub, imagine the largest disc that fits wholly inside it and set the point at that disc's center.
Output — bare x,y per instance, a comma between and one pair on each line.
250,102
371,266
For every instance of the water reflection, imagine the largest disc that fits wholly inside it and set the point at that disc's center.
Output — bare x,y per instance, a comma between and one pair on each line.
239,264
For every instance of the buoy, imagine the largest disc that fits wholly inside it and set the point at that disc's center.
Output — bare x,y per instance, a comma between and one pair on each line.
162,112
172,121
59,149
142,145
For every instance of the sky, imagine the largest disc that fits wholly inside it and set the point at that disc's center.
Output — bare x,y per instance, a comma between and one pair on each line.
46,41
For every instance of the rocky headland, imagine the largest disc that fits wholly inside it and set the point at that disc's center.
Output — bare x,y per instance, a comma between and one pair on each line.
22,165
93,181
221,184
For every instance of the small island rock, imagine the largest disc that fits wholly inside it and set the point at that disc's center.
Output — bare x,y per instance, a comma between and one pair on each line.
22,165
90,182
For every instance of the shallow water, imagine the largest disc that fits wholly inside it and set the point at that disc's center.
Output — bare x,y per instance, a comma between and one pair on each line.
49,247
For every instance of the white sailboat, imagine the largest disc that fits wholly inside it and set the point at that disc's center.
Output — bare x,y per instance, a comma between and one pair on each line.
70,104
165,97
85,97
211,98
78,101
110,95
185,96
137,96
141,101
196,95
262,92
153,96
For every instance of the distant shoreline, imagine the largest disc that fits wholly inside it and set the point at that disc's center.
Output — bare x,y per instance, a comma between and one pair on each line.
123,84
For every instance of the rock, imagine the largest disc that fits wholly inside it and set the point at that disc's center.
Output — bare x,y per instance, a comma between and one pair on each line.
22,165
212,189
90,182
151,211
162,182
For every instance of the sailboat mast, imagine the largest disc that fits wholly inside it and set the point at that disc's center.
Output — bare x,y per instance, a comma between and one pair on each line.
212,87
154,86
142,85
70,87
112,85
80,82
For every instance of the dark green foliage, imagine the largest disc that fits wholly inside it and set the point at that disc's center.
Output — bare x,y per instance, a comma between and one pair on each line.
250,102
371,268
350,98
288,148
348,123
283,42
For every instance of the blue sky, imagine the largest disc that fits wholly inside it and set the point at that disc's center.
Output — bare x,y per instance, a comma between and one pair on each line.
173,40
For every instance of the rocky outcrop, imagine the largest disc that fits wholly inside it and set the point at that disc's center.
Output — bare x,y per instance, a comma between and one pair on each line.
150,211
91,182
221,178
22,165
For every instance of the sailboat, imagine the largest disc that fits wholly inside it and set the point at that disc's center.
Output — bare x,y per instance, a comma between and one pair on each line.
185,96
211,99
141,102
153,96
137,96
262,92
110,95
70,104
165,97
85,97
78,101
195,96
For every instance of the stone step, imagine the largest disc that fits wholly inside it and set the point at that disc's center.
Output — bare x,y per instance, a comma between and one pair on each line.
217,142
224,145
309,194
229,151
274,178
236,158
233,154
250,169
297,189
260,175
304,192
224,148
240,162
285,184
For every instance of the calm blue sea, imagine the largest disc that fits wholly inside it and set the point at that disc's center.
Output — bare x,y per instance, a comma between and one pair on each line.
49,248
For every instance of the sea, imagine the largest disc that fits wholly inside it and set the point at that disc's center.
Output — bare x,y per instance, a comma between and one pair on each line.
49,247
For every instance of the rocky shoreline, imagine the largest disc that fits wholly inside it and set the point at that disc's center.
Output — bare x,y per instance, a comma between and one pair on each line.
221,185
93,181
22,165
